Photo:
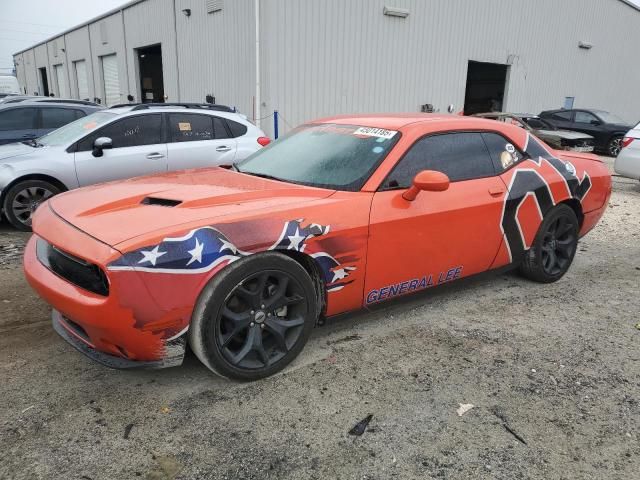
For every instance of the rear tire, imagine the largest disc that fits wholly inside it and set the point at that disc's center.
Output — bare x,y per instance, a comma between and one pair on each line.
254,317
554,246
614,146
22,200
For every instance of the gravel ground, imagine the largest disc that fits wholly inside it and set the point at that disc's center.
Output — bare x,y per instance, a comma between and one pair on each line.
553,372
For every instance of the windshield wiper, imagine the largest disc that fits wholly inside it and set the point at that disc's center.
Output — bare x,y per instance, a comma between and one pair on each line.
264,175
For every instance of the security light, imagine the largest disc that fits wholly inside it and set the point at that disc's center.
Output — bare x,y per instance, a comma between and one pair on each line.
187,12
395,12
585,45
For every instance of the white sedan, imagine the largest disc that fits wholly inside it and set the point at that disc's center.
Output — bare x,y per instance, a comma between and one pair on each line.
628,160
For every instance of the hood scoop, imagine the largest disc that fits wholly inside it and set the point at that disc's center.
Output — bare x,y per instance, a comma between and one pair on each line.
161,202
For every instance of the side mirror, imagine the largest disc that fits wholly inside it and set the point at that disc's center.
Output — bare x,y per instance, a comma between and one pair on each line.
428,181
101,144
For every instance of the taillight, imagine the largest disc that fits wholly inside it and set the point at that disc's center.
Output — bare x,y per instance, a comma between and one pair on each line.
264,141
626,141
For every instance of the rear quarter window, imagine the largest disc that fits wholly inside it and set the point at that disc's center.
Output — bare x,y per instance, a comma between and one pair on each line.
237,129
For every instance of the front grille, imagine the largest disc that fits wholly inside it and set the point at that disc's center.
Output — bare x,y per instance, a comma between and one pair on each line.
73,269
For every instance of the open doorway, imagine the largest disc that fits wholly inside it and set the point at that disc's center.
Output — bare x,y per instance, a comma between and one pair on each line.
485,87
43,81
150,69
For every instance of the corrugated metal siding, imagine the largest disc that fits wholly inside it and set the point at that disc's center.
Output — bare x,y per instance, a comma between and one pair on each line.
31,73
57,57
331,57
216,53
21,74
112,42
150,23
78,48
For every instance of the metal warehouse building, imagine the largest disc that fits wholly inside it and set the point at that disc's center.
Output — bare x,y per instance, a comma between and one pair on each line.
312,58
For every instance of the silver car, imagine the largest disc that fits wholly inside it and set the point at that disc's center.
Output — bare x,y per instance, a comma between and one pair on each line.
120,143
627,162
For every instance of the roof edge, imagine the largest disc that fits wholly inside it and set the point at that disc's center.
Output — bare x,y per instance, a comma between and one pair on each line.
106,14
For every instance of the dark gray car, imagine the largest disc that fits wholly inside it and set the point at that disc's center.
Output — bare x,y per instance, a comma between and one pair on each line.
28,120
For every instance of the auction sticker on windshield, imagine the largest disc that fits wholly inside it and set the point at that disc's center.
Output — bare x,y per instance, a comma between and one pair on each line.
375,132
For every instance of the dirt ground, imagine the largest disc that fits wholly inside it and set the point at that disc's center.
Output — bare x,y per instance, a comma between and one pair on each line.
553,372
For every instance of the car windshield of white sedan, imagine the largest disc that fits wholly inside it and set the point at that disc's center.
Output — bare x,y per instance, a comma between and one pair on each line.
340,157
72,131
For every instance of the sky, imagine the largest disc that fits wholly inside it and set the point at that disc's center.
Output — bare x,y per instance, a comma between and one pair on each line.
26,22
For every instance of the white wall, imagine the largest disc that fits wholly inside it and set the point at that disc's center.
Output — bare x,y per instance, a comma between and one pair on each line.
78,48
56,54
331,57
150,23
111,42
216,53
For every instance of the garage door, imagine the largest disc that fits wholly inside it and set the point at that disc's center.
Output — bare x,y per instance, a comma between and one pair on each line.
62,88
111,81
82,80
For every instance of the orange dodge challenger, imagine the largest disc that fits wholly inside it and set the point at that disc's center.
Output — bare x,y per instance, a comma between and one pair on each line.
340,214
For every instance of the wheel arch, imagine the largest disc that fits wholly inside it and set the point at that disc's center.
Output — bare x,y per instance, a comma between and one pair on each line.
32,176
313,269
576,206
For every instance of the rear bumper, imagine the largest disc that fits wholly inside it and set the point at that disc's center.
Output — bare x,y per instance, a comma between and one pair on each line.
63,327
627,163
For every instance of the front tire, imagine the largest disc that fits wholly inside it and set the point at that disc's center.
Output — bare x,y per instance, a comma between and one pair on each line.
22,200
554,247
254,317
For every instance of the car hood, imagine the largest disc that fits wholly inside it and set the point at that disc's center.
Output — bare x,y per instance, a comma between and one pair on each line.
155,206
12,152
564,134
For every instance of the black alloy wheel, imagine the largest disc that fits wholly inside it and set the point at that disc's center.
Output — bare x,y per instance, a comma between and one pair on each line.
558,245
554,247
254,316
261,320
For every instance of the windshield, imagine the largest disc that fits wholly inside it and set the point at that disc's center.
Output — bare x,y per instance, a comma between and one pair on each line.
340,157
71,131
607,117
538,124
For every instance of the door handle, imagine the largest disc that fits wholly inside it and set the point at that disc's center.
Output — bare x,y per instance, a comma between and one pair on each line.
496,191
155,156
28,135
223,148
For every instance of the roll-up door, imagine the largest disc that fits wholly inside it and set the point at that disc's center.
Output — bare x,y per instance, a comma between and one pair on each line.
59,69
111,81
81,79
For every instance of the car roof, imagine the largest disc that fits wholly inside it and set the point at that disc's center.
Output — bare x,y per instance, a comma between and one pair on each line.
396,121
134,108
49,105
391,121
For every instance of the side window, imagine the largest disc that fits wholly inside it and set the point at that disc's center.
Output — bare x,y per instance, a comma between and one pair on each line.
585,117
237,129
563,116
190,127
57,117
220,128
461,156
502,151
18,119
128,132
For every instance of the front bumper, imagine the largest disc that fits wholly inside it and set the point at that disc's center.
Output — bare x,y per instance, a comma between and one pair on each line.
63,327
120,330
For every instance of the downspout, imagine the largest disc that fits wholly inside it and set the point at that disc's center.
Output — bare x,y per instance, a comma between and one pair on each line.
93,79
257,100
175,36
126,59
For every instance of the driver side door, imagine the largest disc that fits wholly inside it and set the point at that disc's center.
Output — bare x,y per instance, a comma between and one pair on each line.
138,149
439,236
